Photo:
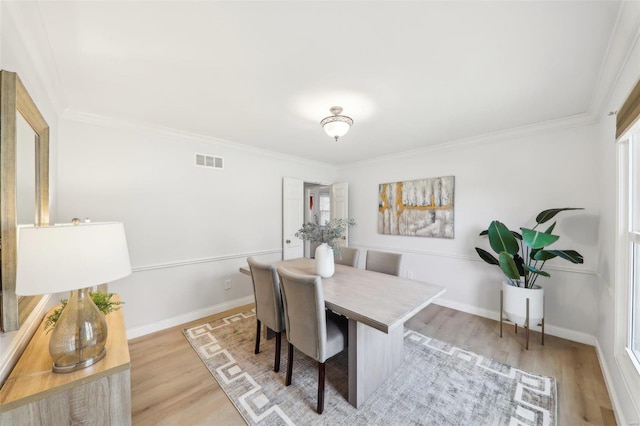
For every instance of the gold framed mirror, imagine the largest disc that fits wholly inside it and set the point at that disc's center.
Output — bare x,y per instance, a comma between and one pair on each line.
17,108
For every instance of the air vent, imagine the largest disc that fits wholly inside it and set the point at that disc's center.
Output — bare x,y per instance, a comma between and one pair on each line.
209,161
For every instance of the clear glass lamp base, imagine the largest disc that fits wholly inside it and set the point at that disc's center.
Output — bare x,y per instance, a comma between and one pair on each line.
79,365
79,336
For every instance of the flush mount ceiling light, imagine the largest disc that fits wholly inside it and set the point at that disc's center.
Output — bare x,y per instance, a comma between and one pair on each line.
336,125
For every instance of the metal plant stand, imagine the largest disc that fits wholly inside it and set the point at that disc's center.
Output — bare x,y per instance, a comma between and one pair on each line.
526,323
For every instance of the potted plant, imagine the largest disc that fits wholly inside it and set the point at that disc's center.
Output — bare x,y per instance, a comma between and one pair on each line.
521,258
102,300
327,235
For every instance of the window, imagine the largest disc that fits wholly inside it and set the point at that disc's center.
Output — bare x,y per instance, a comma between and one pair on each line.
324,208
633,244
627,277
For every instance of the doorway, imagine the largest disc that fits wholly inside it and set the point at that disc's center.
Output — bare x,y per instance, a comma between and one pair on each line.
297,210
317,201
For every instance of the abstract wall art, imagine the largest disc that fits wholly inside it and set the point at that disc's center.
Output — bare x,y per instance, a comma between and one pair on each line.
422,208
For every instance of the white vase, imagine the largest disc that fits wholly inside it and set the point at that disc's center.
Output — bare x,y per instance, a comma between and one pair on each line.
514,304
324,261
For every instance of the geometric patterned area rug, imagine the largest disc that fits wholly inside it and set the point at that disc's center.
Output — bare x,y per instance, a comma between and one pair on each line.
437,384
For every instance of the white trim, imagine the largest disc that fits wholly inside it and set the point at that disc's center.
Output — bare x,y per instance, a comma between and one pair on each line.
628,372
132,333
578,120
616,57
22,337
116,123
188,262
574,270
27,17
549,329
570,122
611,389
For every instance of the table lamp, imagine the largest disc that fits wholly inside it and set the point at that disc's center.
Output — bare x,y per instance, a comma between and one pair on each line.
73,257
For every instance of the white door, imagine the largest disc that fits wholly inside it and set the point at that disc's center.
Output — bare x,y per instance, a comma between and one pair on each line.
292,217
340,207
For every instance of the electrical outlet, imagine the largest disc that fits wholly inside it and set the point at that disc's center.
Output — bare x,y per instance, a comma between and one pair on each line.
227,284
410,274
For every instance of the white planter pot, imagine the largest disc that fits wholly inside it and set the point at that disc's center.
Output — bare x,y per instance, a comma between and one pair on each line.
324,261
514,304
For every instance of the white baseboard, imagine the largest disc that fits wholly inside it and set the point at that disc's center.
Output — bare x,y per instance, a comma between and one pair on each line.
553,330
613,395
470,309
132,333
564,333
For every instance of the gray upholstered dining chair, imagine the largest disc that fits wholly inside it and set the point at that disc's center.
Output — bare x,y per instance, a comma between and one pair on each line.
385,262
348,256
269,308
310,328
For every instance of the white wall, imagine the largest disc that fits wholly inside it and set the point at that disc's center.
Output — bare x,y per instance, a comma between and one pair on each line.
189,228
511,179
14,57
627,411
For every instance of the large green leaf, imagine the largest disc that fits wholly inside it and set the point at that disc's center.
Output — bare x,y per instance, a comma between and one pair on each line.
508,266
549,214
501,239
550,229
570,255
519,262
487,257
537,239
543,255
536,271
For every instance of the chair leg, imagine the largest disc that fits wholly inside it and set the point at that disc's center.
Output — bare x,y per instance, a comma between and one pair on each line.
276,362
320,387
258,336
289,366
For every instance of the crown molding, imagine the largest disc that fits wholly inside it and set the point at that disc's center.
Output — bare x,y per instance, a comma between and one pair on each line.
578,120
623,40
27,18
29,23
116,123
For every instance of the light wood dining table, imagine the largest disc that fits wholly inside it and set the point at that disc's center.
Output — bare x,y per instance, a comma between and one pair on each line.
377,306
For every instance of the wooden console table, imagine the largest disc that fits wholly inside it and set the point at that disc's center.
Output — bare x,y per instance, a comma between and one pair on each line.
97,395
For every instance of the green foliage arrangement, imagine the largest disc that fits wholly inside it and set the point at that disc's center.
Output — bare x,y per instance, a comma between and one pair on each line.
327,233
102,300
521,257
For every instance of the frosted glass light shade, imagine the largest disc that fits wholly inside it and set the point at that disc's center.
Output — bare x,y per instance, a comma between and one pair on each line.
66,257
336,125
336,129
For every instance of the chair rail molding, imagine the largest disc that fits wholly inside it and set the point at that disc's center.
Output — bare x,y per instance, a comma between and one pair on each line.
463,257
188,262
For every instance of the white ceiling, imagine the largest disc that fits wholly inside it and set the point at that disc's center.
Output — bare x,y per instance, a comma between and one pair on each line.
263,74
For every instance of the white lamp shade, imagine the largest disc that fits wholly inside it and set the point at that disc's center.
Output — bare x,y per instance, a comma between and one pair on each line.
53,259
336,129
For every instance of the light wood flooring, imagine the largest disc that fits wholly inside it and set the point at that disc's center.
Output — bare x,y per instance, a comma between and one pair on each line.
171,386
